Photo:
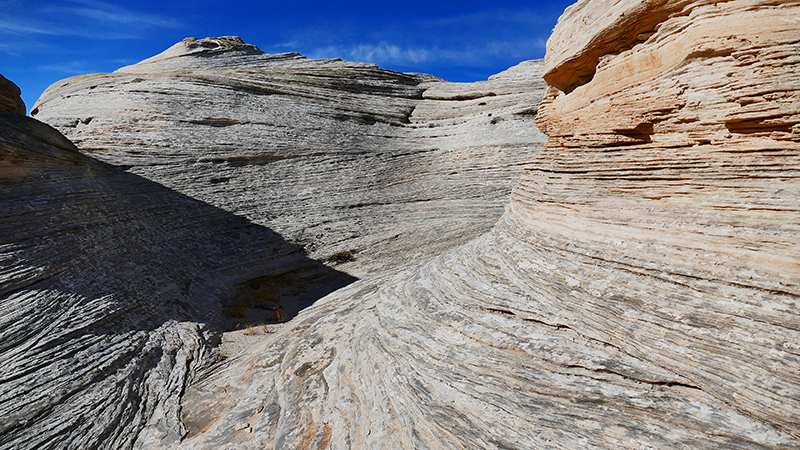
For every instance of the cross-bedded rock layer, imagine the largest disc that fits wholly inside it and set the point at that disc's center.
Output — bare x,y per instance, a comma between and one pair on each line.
112,290
117,278
686,140
334,155
640,291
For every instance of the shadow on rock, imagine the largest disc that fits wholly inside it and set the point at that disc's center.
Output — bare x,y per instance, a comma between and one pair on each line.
112,285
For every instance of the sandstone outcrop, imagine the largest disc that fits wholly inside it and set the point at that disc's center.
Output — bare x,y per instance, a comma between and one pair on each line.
334,155
113,290
681,121
126,256
641,290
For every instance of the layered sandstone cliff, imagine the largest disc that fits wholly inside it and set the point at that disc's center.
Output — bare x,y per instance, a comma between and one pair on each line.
684,131
334,155
640,291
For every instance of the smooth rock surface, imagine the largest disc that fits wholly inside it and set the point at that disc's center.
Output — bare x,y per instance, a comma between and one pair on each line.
641,290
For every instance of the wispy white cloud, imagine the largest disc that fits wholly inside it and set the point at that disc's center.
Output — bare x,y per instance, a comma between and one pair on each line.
123,61
23,27
114,14
85,18
290,45
488,38
66,68
385,53
497,16
9,49
388,52
380,53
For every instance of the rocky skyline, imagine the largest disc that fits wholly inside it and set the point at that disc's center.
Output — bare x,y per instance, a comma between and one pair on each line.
44,41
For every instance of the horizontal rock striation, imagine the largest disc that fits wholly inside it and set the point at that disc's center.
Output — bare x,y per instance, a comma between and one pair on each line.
690,168
641,290
335,156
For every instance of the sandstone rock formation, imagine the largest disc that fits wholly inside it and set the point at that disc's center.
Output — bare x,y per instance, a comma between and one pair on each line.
112,293
333,155
9,97
681,120
640,291
115,287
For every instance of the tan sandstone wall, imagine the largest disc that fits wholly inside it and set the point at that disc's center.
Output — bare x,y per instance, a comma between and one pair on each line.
672,174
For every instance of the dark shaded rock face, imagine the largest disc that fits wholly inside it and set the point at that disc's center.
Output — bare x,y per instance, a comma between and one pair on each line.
9,97
110,287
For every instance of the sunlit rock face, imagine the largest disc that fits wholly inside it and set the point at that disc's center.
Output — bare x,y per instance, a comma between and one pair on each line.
641,290
681,123
333,155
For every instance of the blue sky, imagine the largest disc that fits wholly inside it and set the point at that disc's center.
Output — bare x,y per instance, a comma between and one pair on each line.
43,41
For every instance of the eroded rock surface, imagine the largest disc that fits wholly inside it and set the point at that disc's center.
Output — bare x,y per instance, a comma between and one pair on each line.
335,156
640,292
686,141
124,260
113,290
